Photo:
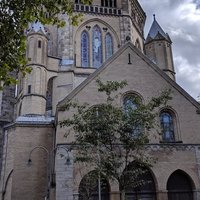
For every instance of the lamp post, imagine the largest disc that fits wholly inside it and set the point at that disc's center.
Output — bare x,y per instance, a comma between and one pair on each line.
49,164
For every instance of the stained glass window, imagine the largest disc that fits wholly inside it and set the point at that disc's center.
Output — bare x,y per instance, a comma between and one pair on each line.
167,126
108,45
130,105
84,49
97,47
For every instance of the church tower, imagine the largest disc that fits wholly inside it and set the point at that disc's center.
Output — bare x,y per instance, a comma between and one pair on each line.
33,86
158,49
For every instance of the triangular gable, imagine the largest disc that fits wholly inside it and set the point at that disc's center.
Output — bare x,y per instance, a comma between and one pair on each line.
145,59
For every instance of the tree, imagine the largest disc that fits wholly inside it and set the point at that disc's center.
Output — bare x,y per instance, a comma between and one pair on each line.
111,138
15,18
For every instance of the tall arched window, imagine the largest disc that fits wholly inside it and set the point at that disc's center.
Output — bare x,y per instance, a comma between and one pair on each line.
88,188
167,126
108,45
97,47
84,49
130,104
179,186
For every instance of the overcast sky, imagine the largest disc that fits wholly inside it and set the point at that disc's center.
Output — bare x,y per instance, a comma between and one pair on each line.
181,20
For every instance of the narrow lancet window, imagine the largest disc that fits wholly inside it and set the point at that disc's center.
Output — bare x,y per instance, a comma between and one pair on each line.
108,45
97,47
84,49
167,126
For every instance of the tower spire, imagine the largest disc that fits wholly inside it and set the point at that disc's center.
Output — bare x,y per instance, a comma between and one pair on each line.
158,48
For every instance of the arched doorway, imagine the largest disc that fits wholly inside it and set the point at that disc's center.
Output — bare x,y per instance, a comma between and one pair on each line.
88,188
179,186
141,185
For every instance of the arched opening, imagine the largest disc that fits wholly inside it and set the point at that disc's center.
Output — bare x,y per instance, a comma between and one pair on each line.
88,188
179,186
138,183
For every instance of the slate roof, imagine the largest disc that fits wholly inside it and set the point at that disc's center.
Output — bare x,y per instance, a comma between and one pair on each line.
156,32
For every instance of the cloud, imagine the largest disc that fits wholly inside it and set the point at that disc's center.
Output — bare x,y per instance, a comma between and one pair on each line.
180,19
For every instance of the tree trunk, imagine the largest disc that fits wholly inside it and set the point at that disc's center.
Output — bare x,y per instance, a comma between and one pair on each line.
122,195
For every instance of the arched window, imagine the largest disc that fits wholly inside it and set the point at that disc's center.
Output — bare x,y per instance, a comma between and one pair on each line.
84,49
167,126
97,47
88,188
138,183
130,104
108,45
179,186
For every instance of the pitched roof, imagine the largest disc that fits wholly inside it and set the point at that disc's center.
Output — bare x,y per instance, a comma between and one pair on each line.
143,57
156,32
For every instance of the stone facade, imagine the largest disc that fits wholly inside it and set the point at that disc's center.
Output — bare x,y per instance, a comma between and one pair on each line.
37,159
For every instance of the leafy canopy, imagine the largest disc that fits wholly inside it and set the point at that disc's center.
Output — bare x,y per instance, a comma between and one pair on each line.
111,138
15,17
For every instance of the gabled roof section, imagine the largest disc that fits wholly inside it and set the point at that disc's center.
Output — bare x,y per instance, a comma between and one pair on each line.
143,57
156,32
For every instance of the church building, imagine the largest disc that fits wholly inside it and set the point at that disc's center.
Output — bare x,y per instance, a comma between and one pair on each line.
108,44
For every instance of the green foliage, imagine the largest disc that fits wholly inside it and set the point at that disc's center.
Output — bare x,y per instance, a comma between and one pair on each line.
106,134
15,17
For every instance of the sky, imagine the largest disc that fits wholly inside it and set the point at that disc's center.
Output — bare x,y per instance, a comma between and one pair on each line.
181,20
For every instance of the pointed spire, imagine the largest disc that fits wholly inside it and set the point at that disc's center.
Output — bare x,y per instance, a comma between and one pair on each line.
36,27
156,31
